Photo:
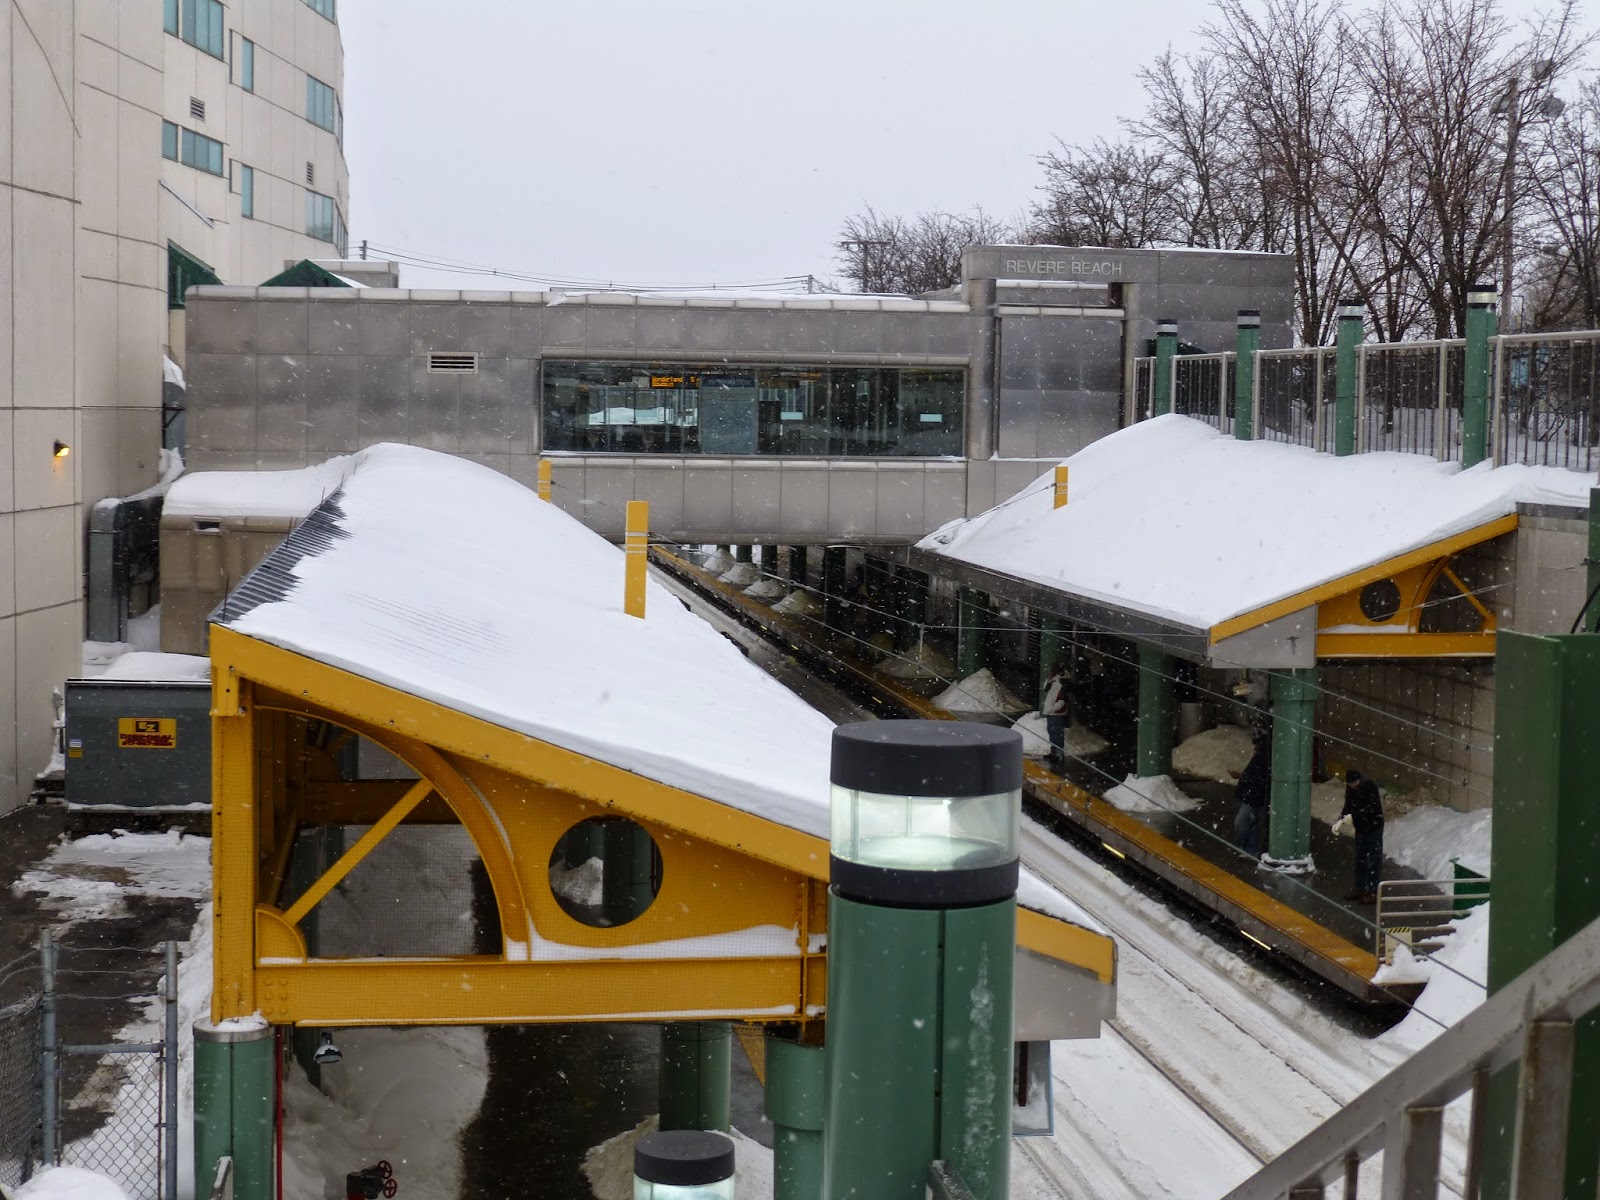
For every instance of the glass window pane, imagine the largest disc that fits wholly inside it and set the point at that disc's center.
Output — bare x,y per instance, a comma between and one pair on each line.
247,191
169,140
190,9
212,42
247,64
930,413
169,16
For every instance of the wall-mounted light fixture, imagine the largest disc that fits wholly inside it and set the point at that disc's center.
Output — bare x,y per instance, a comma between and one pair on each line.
62,449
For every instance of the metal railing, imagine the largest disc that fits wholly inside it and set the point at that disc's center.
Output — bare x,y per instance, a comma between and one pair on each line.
1294,397
1529,1021
1547,399
1409,397
1421,913
1202,387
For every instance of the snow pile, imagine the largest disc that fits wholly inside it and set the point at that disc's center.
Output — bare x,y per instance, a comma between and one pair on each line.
1079,741
920,662
404,1095
742,575
767,589
69,1183
283,494
609,1166
979,693
148,665
1154,793
800,603
1218,754
581,885
1457,977
1153,522
1429,840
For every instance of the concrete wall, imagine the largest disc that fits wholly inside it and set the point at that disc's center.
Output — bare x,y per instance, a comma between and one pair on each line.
1549,577
201,562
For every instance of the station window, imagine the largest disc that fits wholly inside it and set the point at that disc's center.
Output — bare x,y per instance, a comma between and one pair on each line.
199,151
324,8
247,191
198,22
247,64
169,140
723,409
322,105
324,221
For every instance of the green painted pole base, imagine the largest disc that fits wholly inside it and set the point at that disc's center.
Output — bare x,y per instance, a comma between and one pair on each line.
919,1054
1157,714
1347,342
794,1091
234,1093
696,1075
1294,720
1475,375
744,554
973,608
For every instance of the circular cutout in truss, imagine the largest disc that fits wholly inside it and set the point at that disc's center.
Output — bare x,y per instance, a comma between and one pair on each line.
1380,601
605,871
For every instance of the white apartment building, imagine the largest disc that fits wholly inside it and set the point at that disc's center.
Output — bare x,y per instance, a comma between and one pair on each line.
150,144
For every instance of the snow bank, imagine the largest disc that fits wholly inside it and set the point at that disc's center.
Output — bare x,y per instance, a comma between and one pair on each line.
1218,754
91,878
70,1183
1154,793
767,589
1079,741
921,661
741,575
583,884
979,693
1428,839
799,603
1457,976
609,1166
287,494
1153,525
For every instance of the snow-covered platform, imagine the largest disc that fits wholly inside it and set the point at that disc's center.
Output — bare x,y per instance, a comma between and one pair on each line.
1249,553
442,612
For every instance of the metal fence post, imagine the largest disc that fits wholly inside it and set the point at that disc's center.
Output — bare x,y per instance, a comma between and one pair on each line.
47,1060
1475,376
1497,404
169,1052
1164,369
1441,422
1347,388
1247,340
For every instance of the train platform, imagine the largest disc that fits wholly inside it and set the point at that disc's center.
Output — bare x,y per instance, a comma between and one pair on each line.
1297,916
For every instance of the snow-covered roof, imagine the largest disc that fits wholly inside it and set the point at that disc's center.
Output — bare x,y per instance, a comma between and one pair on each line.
446,580
283,494
1174,520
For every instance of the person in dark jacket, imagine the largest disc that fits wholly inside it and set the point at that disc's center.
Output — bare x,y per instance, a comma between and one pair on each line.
1363,807
1254,792
1056,707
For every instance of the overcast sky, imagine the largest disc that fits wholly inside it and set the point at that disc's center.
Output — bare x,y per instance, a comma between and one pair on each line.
699,141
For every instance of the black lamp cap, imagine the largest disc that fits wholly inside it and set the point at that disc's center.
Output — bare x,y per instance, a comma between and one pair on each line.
683,1157
926,758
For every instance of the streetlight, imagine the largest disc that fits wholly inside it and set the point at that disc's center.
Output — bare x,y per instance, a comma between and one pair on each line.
1510,106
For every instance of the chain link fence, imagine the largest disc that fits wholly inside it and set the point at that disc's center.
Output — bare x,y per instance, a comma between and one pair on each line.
21,1099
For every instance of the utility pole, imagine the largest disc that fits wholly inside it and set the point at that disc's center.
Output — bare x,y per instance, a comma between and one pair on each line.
363,249
866,245
1540,75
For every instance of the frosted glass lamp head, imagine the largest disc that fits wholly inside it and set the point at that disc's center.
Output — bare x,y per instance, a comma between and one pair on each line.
925,813
683,1164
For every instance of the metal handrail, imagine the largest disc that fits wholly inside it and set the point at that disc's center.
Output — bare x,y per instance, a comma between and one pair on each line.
1530,1021
1433,901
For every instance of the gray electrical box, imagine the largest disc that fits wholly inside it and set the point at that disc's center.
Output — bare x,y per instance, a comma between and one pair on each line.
138,744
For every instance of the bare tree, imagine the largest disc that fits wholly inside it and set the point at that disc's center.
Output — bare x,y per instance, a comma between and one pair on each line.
1564,177
923,254
1107,194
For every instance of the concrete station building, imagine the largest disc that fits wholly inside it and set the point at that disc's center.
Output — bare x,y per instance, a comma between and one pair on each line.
151,145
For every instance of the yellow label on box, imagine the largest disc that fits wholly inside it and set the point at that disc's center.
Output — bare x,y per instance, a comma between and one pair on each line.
147,733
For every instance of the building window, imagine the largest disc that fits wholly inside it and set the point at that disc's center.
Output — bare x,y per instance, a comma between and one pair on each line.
199,151
321,215
723,409
324,8
247,191
247,64
198,22
322,106
169,140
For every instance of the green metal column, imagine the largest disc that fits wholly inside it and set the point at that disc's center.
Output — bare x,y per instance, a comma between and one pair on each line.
882,1074
1156,712
794,1088
1351,329
1246,342
767,556
1161,379
235,1085
696,1074
317,847
972,632
628,855
833,583
975,1083
1053,647
1294,719
1542,862
744,554
797,565
1592,625
1475,375
909,603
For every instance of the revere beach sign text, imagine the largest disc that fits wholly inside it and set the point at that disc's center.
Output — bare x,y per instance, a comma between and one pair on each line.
1066,263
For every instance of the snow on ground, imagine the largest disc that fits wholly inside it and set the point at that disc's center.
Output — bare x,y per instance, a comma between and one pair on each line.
1457,978
609,1166
767,589
90,879
144,664
1153,524
281,494
918,663
979,693
1218,754
1430,839
404,1095
442,587
70,1183
1080,741
1153,793
800,603
741,574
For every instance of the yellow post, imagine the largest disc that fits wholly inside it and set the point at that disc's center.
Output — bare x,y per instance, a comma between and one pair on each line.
635,543
1061,486
544,479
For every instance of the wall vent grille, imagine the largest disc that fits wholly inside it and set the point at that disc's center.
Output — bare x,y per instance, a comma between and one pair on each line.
442,362
311,172
197,108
